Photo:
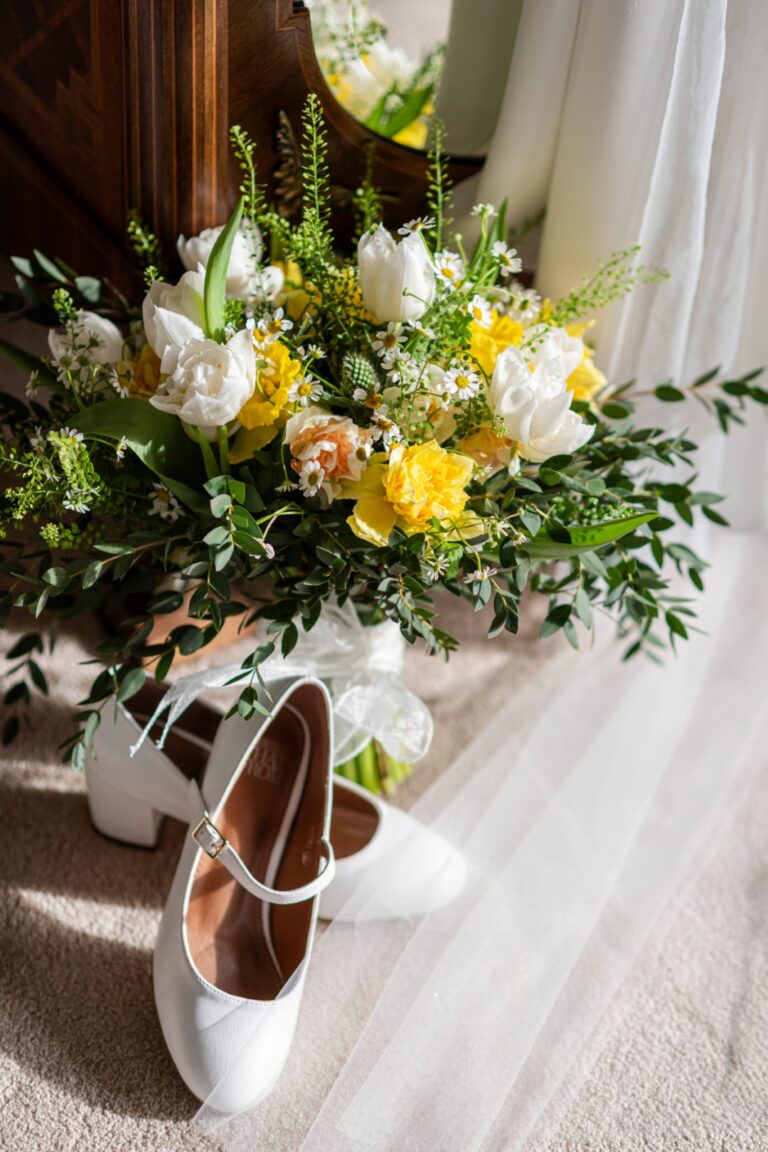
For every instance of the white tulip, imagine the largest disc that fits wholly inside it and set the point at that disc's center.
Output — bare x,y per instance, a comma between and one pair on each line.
89,326
558,343
244,262
174,314
210,382
388,271
535,406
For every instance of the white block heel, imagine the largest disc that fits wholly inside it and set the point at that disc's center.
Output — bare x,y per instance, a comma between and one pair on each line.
116,814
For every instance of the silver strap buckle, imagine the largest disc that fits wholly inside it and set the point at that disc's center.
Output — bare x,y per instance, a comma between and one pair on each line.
207,836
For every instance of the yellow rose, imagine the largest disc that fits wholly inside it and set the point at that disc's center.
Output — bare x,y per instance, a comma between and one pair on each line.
418,484
488,342
277,371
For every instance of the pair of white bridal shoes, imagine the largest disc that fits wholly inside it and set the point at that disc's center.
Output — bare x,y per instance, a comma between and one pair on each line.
275,840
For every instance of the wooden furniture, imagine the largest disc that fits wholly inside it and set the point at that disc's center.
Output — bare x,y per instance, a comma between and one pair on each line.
107,105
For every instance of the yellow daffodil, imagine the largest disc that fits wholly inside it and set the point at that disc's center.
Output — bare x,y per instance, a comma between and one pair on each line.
418,484
487,448
488,342
276,373
587,380
140,377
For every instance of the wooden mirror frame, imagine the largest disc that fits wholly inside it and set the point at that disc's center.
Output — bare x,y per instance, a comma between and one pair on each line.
116,104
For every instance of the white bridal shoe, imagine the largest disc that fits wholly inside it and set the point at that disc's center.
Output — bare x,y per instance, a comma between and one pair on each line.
387,864
237,930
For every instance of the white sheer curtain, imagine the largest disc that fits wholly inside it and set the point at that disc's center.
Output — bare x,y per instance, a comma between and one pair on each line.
647,120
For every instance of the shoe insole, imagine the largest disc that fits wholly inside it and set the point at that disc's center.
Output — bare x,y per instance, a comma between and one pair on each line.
274,819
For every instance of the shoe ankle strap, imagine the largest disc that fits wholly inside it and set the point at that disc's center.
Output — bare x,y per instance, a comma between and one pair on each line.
215,845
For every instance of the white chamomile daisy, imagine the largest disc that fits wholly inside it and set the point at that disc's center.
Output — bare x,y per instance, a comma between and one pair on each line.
462,382
486,210
120,449
315,351
480,311
507,258
372,400
311,478
305,391
385,430
72,435
524,303
164,504
420,224
387,342
417,326
480,575
272,327
449,268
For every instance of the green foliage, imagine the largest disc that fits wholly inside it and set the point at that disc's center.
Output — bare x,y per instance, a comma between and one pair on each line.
614,278
143,241
439,186
216,276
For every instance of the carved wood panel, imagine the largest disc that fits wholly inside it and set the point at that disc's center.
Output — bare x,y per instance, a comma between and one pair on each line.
111,104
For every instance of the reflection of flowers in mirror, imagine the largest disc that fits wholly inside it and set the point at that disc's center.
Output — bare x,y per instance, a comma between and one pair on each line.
376,82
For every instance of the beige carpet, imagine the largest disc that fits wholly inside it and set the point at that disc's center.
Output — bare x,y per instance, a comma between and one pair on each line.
682,1055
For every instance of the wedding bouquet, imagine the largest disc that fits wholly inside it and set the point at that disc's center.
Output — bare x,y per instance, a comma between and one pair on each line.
378,84
285,427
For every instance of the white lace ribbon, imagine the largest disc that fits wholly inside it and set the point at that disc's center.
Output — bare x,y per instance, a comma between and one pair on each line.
362,667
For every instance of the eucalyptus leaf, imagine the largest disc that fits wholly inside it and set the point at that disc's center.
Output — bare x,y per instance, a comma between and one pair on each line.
584,538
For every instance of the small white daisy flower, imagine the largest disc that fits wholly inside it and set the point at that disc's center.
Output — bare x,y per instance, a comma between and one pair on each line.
480,575
164,504
420,224
120,450
449,268
507,258
387,343
315,351
305,391
486,210
385,430
524,303
37,440
417,326
272,327
311,478
480,311
118,384
372,400
286,486
72,434
462,382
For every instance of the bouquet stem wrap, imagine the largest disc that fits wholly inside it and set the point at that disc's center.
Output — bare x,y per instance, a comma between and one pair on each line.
362,667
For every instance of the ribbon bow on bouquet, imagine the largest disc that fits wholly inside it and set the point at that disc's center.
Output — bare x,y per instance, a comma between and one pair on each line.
362,667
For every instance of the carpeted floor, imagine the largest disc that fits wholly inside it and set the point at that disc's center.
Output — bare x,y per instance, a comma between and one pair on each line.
683,1053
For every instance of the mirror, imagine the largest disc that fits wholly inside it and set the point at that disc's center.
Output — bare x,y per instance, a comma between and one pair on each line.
383,61
396,64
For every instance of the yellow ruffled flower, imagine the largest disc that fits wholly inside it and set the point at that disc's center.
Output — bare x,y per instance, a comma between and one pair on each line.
418,484
140,377
487,343
587,380
487,448
276,374
414,135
